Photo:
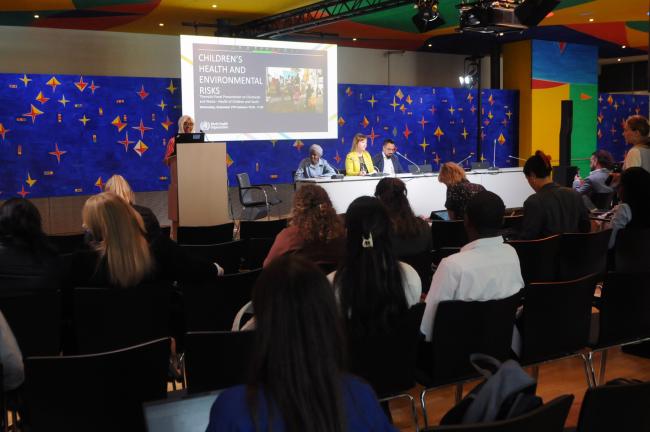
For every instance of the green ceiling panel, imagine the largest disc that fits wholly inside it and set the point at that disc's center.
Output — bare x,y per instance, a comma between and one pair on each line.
643,26
570,3
399,18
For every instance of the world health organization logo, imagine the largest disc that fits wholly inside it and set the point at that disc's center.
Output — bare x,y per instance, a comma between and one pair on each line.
205,125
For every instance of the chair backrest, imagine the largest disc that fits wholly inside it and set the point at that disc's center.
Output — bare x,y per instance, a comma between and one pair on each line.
35,320
14,283
582,254
615,407
550,417
422,264
212,305
631,252
387,361
205,235
602,201
257,250
556,318
261,229
216,360
243,180
512,222
106,319
465,327
624,302
67,243
228,255
98,392
448,234
538,258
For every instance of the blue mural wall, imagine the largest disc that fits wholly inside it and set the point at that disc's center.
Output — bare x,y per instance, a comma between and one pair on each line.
65,135
613,109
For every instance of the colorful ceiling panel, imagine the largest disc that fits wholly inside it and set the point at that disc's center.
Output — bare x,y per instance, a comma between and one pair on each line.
615,23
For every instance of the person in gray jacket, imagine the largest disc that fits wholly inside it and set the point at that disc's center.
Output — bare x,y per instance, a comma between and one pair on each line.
314,166
601,164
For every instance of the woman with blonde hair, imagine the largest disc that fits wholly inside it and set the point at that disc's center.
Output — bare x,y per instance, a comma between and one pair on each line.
121,253
459,189
635,132
359,161
120,187
315,230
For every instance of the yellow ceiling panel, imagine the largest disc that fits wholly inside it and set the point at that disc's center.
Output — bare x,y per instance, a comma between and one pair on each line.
600,11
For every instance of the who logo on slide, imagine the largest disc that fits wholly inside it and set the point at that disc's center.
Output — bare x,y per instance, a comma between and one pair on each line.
204,126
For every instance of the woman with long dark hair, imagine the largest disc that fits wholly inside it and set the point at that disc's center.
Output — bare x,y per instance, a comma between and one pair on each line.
411,235
374,289
552,209
297,381
24,249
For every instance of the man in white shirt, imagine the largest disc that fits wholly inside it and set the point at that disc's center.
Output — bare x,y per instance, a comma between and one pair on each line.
386,161
484,269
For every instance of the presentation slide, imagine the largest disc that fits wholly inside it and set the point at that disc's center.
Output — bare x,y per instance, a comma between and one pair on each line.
249,89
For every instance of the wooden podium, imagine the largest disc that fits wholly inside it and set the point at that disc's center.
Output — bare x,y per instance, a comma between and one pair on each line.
202,183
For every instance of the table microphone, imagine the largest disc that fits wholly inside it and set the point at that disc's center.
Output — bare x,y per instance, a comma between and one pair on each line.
409,161
469,156
514,157
338,175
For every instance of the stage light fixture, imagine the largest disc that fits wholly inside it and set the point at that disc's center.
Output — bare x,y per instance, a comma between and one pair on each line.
428,17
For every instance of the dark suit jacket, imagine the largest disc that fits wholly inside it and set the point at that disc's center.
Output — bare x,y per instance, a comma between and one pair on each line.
378,162
554,210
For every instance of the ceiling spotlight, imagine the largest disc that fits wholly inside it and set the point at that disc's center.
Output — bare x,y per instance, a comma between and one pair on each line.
430,45
354,39
214,6
618,59
161,24
428,17
37,16
591,20
623,46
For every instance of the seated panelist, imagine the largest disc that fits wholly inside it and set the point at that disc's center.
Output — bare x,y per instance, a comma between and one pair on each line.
358,161
314,166
386,161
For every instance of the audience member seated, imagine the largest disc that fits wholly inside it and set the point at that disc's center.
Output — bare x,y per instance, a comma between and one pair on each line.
601,164
634,209
484,269
314,166
24,250
315,230
13,370
635,132
385,161
410,235
120,187
358,161
459,189
120,255
297,380
371,285
551,209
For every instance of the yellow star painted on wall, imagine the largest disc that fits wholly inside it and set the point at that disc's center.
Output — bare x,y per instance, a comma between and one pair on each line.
84,120
424,144
372,101
30,181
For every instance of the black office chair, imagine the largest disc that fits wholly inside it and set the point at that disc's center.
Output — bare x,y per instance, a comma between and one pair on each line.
216,359
228,255
205,235
550,417
538,258
615,407
99,392
261,229
107,319
213,305
622,316
555,321
602,201
259,197
460,329
388,361
35,320
448,234
582,254
631,251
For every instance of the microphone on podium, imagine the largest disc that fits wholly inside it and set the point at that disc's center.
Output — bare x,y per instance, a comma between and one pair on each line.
338,175
409,161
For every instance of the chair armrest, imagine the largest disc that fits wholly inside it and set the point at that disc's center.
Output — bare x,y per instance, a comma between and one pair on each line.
267,185
257,187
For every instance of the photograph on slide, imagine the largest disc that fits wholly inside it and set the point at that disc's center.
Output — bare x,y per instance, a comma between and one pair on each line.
294,90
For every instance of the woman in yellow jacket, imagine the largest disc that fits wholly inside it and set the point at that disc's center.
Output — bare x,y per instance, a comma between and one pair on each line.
358,161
